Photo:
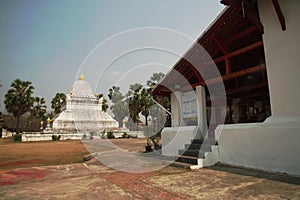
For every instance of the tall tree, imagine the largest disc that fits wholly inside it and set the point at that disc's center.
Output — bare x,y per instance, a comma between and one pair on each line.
134,102
104,102
104,105
146,103
158,115
119,105
57,102
18,100
155,79
38,110
157,112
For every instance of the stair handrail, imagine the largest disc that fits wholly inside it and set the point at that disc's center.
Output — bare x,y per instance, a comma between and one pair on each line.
161,106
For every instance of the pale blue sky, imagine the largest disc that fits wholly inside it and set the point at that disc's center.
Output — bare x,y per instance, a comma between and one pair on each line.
50,42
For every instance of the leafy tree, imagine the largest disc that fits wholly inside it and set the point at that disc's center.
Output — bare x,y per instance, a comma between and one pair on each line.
38,110
57,102
119,105
18,99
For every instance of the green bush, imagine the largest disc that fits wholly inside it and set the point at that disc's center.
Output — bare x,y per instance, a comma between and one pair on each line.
84,136
110,135
18,137
56,137
125,135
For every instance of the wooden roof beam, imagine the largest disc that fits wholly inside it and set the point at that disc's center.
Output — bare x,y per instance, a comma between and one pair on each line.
225,50
235,53
246,88
232,75
242,34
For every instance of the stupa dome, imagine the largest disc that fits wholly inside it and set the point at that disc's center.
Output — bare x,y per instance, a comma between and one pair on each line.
82,88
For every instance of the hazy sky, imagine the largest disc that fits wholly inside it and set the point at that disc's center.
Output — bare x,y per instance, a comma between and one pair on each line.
110,42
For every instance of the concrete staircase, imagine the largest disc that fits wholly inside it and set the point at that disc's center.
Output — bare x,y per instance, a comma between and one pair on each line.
198,154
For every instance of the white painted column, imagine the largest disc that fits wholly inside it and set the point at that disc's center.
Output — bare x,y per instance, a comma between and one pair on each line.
282,56
176,108
201,108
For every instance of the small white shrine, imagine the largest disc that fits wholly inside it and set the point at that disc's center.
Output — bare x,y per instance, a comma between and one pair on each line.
82,112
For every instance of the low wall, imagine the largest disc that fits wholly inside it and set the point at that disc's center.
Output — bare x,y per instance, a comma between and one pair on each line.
138,134
174,138
37,136
271,146
28,137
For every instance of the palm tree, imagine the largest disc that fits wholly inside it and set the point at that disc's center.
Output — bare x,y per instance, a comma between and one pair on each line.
135,104
57,102
38,110
157,112
146,103
104,105
18,100
155,79
104,102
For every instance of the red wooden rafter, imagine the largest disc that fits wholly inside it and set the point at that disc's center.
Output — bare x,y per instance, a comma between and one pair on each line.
235,53
279,14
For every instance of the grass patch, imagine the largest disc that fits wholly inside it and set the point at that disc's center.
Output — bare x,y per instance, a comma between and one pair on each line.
32,154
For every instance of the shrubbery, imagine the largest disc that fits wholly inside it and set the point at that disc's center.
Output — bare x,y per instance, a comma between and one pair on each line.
110,135
85,136
125,135
18,137
56,137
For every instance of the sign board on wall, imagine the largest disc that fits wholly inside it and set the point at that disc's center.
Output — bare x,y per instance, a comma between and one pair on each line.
189,104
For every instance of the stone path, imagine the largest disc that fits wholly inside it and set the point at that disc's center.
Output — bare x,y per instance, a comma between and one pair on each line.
135,185
92,180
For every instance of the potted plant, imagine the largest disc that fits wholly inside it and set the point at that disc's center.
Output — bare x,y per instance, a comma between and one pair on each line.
148,132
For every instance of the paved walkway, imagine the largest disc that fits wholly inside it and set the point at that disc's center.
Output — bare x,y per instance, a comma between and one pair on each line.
93,180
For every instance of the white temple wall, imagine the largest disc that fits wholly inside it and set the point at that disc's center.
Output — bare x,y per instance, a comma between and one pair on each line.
273,148
274,144
282,55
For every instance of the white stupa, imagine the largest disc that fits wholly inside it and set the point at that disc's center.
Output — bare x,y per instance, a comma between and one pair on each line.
82,112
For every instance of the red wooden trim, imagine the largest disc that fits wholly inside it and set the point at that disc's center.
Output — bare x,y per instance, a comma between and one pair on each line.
279,14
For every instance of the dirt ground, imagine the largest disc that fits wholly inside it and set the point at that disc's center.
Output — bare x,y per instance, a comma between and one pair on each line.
93,180
32,154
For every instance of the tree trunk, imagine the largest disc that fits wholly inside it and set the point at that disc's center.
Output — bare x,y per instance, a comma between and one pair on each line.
18,123
145,112
120,123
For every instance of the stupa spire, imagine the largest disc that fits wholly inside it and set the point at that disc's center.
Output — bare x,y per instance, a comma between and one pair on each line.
81,77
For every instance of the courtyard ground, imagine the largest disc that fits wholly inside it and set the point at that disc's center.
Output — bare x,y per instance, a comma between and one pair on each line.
32,171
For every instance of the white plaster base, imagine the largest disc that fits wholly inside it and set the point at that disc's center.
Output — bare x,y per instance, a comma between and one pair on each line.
271,146
211,158
174,138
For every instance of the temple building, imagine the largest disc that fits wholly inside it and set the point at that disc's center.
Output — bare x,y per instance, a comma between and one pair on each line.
233,94
82,112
